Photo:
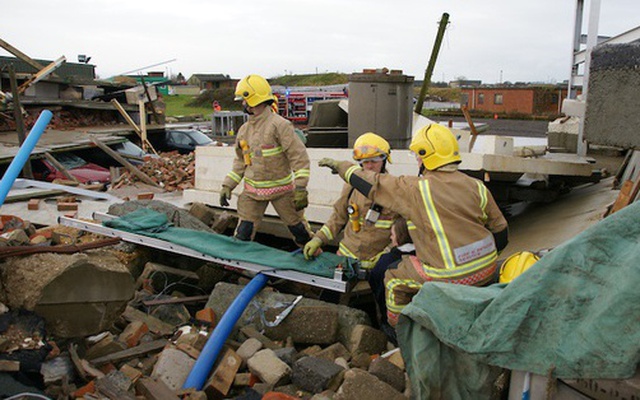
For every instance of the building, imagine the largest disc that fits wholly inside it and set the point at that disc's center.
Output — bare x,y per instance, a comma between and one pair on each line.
462,83
529,100
212,81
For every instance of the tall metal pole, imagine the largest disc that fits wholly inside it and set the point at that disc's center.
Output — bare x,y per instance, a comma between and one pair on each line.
432,62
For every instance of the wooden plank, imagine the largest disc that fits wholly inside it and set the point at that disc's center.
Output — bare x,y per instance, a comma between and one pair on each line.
59,166
135,127
176,300
474,132
155,325
155,390
21,55
222,378
141,175
143,124
133,352
624,197
43,73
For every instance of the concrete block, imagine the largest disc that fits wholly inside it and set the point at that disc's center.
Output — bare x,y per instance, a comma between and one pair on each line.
387,372
316,374
172,368
287,354
365,339
499,145
224,293
202,212
305,325
359,384
249,348
334,351
269,368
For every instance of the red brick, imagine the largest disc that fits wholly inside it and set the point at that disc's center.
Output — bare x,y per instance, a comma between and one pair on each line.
33,204
206,315
67,206
145,196
132,333
88,388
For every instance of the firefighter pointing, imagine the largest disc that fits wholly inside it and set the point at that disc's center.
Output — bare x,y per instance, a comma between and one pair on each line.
459,227
367,225
273,162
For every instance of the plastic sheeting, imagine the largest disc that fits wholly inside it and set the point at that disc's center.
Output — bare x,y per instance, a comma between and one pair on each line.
574,314
154,224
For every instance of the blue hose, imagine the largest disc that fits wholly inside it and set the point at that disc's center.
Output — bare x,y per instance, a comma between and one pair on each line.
23,154
200,371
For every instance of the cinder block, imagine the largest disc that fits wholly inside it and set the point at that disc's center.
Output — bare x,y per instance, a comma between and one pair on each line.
248,348
306,325
269,368
387,372
365,339
359,384
172,368
316,374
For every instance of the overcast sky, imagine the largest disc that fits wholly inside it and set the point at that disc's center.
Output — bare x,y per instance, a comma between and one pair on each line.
490,40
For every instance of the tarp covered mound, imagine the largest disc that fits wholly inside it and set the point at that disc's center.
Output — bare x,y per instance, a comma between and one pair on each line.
156,225
574,314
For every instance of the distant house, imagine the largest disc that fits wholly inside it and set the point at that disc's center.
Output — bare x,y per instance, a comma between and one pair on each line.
529,100
462,83
211,81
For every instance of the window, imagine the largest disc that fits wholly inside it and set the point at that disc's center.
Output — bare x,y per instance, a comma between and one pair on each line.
497,99
481,98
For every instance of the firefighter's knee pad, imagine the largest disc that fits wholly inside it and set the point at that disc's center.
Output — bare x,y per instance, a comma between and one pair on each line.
300,233
244,231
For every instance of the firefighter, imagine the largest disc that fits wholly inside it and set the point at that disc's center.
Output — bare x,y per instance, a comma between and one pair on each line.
273,163
366,225
459,227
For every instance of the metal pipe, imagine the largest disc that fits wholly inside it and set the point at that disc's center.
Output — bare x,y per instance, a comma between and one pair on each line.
201,369
23,154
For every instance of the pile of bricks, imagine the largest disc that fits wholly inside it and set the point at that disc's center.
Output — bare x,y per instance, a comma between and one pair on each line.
149,353
171,170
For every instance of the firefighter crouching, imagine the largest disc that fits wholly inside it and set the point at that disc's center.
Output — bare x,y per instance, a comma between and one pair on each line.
366,225
273,162
459,228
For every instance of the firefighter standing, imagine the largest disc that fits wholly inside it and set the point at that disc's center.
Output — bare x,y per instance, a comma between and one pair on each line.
273,162
459,227
365,239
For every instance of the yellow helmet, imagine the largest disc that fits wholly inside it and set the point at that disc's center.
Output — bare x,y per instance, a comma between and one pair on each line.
436,145
516,264
369,145
254,89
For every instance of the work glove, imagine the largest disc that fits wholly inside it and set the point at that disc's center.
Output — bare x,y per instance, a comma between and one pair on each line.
329,163
225,196
312,247
300,198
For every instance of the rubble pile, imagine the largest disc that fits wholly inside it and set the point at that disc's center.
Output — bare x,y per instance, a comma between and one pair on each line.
320,351
172,171
63,119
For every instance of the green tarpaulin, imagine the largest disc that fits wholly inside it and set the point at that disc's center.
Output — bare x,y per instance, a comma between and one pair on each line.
574,314
154,224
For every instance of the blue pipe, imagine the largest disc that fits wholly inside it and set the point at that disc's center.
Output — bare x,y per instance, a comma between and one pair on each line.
201,369
23,154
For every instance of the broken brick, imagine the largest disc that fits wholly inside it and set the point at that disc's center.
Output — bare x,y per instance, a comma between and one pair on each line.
145,196
67,206
33,204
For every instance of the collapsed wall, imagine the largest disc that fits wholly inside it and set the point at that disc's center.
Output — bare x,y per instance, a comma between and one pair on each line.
612,116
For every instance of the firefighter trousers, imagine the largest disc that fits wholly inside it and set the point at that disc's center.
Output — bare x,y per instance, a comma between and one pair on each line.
251,211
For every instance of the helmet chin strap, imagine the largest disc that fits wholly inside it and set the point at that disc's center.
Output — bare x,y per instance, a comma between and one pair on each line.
421,169
246,110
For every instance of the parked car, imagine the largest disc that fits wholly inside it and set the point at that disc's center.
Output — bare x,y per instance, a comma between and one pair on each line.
83,171
183,140
127,149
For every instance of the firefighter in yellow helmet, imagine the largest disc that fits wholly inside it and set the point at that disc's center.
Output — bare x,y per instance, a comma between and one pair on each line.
273,163
366,225
459,228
